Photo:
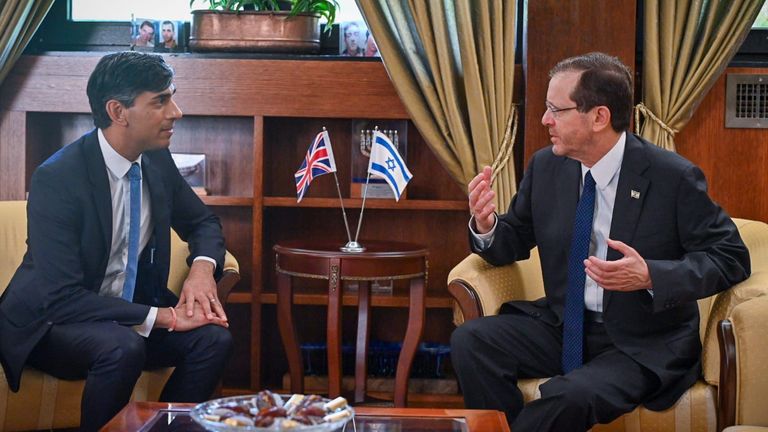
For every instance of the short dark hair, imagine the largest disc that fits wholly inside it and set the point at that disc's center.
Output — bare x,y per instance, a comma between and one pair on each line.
167,22
147,23
122,76
604,80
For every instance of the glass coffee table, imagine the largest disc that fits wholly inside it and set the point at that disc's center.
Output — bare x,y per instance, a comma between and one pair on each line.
164,417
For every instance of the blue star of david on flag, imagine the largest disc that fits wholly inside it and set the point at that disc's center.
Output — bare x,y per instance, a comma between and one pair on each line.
387,163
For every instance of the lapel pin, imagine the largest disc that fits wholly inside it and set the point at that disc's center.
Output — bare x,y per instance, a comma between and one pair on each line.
635,194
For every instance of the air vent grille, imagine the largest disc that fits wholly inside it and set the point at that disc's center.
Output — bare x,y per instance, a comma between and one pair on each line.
746,101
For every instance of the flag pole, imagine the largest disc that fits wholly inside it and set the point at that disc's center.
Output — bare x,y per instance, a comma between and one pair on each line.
362,207
343,212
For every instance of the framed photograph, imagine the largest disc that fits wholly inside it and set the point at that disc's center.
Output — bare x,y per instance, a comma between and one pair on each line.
191,166
170,36
143,34
352,39
157,35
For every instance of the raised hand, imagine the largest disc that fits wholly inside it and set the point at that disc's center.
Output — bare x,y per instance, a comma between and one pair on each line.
629,273
481,204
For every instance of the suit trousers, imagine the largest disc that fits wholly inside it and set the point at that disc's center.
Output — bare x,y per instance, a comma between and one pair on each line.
489,355
110,357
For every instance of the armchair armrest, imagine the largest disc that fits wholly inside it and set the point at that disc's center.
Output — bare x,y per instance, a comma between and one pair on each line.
743,381
480,288
230,277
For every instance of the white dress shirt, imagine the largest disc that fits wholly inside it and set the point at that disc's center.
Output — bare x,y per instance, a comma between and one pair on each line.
606,174
119,186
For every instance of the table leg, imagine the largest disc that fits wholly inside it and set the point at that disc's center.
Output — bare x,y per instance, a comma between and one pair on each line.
334,328
361,350
411,341
288,332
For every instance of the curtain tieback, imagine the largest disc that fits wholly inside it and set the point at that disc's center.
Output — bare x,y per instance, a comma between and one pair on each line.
642,109
507,144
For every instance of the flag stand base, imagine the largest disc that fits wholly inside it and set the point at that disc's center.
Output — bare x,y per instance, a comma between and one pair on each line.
353,247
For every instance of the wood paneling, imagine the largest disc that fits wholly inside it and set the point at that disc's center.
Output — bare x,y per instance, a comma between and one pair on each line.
224,87
733,160
559,29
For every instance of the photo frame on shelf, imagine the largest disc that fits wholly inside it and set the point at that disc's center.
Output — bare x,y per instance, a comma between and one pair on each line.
143,34
158,35
191,166
362,132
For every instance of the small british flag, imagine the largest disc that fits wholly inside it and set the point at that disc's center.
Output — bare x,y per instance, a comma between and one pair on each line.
319,161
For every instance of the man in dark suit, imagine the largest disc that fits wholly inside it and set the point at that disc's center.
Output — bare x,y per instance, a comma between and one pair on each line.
656,243
90,299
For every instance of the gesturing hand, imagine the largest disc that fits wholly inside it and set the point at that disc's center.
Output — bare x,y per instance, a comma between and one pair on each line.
200,287
481,204
629,273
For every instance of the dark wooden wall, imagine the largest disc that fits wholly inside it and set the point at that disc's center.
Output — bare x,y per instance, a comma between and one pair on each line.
734,160
559,29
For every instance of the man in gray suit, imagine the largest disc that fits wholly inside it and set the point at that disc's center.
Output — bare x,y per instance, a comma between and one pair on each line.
654,244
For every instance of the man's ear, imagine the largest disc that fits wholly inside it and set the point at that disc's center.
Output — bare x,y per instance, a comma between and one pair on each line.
117,112
602,118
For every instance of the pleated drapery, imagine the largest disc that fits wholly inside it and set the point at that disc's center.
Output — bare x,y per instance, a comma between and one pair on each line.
452,62
688,44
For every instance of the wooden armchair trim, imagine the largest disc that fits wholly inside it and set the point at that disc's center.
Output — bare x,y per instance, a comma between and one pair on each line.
726,390
226,283
467,298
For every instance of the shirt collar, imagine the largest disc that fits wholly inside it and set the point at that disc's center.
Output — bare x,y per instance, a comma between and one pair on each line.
115,163
607,167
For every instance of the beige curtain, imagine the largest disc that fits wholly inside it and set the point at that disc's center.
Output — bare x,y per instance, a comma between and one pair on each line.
19,19
688,44
452,63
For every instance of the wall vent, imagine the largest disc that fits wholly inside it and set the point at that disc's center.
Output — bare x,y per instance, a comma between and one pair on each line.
746,101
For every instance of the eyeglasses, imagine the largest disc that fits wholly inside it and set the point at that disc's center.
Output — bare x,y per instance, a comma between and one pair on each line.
556,111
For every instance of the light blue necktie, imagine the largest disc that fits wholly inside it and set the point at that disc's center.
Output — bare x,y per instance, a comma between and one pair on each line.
573,320
134,177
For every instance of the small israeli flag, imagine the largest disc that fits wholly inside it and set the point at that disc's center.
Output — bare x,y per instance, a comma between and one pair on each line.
386,163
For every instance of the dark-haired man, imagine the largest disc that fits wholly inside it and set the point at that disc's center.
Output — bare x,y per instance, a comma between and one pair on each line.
90,299
628,240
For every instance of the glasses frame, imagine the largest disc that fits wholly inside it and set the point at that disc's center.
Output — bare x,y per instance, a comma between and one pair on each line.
556,111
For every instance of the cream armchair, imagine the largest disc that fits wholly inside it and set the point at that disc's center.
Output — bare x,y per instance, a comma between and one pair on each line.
44,402
733,389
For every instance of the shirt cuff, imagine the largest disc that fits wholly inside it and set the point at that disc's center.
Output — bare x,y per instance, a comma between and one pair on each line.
145,328
482,241
205,258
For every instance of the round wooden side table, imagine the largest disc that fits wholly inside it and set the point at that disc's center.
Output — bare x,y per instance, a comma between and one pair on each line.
323,260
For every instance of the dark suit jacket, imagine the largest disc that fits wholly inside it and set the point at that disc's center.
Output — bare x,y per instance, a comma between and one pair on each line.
69,236
692,248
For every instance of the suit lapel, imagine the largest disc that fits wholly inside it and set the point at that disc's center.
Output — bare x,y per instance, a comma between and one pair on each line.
630,196
157,193
97,175
567,187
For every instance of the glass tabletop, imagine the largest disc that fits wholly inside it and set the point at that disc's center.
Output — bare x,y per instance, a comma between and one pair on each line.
179,420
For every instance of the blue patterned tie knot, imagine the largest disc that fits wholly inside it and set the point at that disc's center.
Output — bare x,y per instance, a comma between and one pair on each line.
134,179
573,319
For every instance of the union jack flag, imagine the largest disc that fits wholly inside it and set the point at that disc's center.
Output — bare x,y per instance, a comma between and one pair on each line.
319,161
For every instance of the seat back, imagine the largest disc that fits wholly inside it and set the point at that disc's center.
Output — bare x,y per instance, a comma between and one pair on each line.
13,236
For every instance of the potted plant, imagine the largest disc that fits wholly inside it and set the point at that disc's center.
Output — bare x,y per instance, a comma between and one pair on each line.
260,25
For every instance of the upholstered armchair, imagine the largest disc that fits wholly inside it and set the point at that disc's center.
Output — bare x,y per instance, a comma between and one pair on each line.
44,402
733,388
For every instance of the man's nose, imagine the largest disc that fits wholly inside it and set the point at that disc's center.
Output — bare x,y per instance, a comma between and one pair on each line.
547,119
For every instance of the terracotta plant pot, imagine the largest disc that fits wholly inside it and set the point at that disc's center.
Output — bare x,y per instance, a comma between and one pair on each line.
254,31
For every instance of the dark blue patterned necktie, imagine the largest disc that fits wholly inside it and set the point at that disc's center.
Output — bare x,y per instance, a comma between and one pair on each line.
134,177
573,320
